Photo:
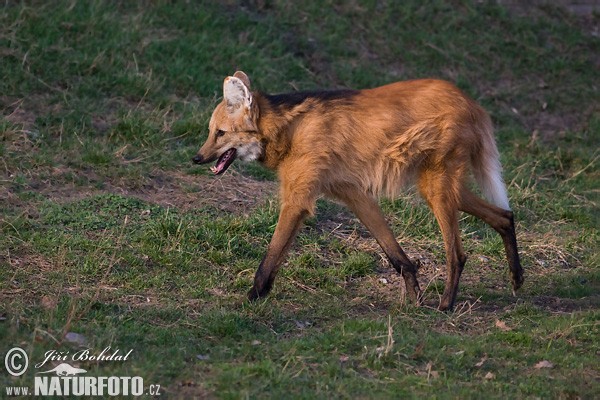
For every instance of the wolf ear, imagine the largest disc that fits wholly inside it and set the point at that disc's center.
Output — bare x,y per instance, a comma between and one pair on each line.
236,91
243,77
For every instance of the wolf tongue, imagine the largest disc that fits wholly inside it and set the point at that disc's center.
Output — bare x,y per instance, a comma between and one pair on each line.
223,162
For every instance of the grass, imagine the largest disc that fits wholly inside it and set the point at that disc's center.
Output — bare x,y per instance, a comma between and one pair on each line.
108,231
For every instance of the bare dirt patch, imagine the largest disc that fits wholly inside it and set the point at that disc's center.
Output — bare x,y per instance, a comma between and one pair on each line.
24,111
30,273
231,192
18,115
564,305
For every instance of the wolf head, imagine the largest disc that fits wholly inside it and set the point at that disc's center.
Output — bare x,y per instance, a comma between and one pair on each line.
233,127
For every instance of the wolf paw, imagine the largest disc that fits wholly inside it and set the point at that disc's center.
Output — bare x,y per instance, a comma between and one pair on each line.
255,294
517,281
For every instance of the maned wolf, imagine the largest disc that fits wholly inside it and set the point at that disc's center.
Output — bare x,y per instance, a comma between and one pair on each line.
356,145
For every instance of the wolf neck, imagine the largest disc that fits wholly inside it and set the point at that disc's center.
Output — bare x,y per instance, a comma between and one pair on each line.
274,124
279,115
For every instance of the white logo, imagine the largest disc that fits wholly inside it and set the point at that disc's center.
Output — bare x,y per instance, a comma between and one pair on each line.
64,369
16,361
66,380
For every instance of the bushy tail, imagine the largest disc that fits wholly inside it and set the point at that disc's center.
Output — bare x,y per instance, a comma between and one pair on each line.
488,171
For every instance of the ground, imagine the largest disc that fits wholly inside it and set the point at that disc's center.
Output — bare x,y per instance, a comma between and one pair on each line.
111,237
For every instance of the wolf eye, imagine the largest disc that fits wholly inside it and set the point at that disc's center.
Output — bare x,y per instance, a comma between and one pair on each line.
220,133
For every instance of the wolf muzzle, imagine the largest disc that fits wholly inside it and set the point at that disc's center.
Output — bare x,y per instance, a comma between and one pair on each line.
198,159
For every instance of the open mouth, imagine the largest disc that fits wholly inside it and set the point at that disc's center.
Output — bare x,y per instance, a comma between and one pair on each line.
224,162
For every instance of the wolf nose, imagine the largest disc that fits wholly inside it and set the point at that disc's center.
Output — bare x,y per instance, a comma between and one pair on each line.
197,159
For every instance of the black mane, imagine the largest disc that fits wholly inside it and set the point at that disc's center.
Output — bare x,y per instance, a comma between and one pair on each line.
296,98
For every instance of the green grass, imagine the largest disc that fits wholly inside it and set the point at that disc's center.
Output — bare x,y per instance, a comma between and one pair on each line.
107,230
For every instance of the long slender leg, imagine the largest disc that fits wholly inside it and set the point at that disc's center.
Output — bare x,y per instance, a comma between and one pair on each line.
503,222
290,220
447,218
437,188
368,211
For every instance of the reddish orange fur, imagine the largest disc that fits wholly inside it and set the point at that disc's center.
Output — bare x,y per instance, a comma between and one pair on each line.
364,145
